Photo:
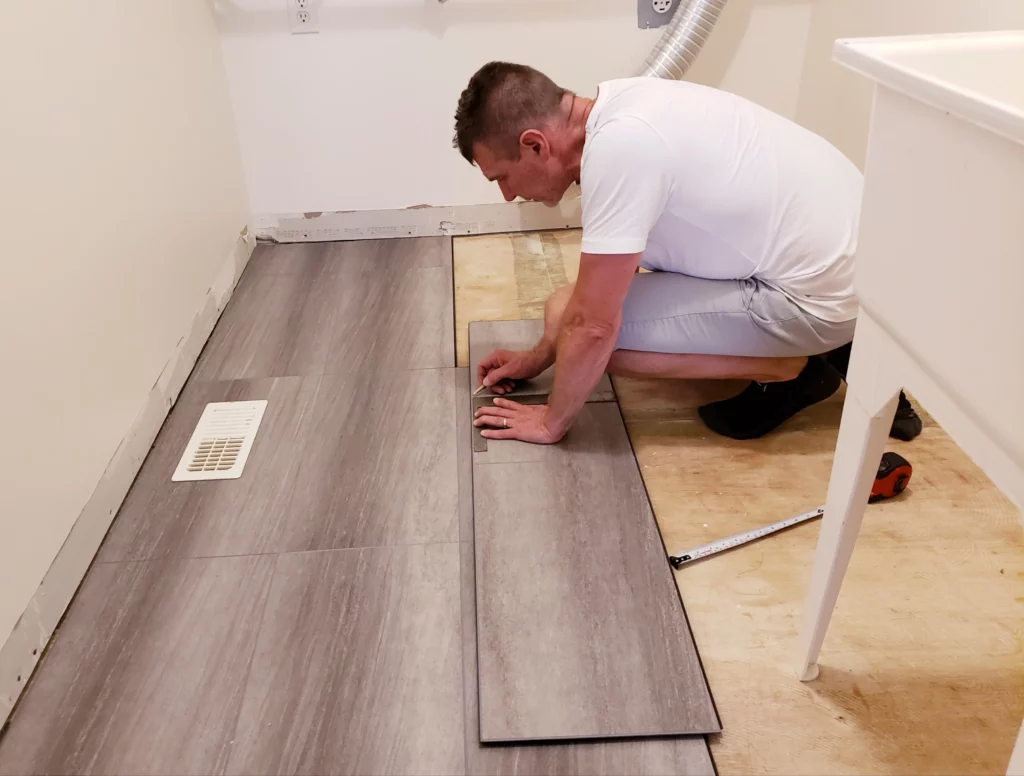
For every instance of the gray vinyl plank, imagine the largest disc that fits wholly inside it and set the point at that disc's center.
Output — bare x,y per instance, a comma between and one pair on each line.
358,668
277,325
488,336
464,453
687,756
402,316
305,257
338,462
147,672
336,308
581,630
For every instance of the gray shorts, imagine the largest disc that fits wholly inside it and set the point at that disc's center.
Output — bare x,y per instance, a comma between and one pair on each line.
666,312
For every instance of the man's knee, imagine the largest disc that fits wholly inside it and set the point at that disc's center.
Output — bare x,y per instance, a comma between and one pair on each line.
555,307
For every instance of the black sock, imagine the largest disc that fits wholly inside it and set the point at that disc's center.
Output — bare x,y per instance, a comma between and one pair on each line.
764,406
907,424
840,358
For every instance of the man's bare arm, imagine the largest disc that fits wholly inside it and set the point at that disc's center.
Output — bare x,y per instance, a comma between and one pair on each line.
590,327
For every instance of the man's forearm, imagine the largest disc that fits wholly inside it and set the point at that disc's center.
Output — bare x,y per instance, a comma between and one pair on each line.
582,354
545,351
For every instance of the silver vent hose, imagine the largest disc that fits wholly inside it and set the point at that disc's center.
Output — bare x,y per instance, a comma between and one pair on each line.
683,39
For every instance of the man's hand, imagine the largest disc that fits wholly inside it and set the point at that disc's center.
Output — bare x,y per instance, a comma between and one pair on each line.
500,369
511,420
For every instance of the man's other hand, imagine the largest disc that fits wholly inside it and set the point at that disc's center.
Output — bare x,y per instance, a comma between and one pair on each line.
500,369
507,419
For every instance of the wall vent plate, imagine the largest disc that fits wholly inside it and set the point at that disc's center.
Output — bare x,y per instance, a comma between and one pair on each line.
221,442
655,13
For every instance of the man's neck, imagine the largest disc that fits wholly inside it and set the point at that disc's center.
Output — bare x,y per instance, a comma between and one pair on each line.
576,132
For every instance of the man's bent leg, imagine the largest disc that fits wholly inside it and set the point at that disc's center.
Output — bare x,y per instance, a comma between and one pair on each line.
639,363
678,326
699,366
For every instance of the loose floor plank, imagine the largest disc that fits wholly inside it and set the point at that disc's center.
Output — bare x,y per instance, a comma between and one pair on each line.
358,667
687,756
147,672
332,467
581,631
488,336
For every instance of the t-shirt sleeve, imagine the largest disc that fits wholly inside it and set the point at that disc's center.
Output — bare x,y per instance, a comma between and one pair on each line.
626,183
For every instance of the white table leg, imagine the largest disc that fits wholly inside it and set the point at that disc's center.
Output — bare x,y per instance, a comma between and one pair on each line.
862,437
1017,758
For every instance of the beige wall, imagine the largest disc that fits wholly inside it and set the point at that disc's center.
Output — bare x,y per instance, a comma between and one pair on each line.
121,200
757,51
314,138
835,102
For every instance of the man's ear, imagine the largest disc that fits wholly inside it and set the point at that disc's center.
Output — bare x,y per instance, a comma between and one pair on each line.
533,141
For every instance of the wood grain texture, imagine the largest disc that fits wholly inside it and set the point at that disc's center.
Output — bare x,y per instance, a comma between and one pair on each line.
325,308
358,667
921,671
488,336
147,672
464,455
402,317
687,756
580,627
338,462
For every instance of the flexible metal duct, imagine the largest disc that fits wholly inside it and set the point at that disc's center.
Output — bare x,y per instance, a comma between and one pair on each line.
683,39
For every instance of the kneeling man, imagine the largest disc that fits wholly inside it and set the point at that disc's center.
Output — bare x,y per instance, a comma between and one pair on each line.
747,222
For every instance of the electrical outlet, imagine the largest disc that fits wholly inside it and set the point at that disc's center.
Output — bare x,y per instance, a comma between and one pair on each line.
302,16
655,13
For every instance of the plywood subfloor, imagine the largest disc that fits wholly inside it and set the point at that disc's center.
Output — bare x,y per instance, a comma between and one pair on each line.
922,670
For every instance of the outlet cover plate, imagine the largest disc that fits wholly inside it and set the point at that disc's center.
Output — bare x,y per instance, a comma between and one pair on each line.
647,18
303,16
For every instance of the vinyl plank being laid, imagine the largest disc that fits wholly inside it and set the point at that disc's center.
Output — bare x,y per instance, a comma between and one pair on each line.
687,756
338,462
488,336
147,672
358,667
581,630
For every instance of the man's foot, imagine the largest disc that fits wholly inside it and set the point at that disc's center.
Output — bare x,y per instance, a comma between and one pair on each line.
764,406
840,358
907,424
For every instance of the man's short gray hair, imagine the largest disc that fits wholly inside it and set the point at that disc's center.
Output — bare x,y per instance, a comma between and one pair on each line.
501,101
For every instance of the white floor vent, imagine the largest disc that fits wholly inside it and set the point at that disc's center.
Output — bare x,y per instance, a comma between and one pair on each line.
221,442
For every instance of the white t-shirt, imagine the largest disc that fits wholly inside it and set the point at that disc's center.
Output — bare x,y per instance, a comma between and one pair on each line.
708,184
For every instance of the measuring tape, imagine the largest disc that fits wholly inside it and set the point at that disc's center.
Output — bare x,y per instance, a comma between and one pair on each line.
739,540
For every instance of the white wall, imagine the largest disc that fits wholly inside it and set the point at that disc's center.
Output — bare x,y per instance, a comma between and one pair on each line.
835,102
360,116
121,199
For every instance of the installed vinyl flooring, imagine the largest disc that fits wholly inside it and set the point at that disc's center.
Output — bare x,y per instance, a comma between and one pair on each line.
315,616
